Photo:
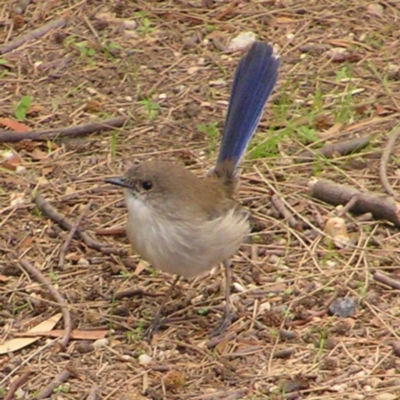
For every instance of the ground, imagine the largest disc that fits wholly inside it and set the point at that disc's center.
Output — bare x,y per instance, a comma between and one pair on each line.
164,66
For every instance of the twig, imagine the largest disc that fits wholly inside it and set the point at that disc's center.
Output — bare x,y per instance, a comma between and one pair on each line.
215,341
79,130
283,354
381,206
16,384
92,395
49,389
111,232
222,14
342,148
45,207
31,270
385,161
35,34
395,346
62,64
134,293
54,63
71,234
224,394
387,280
278,204
351,203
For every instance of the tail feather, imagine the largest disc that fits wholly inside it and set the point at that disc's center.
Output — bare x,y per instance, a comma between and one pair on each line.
255,78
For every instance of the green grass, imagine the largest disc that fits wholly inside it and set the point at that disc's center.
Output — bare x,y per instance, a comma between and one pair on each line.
150,107
212,133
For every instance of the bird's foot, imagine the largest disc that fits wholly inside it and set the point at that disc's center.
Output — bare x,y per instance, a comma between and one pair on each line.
223,324
152,329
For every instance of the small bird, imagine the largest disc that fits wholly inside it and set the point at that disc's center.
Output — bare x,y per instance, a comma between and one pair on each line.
183,224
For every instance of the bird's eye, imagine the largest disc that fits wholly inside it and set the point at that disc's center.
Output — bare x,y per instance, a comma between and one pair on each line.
147,185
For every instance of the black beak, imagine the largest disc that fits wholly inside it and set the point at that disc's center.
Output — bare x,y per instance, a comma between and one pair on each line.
117,182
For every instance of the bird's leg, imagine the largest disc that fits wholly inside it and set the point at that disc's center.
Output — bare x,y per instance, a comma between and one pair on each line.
156,320
228,315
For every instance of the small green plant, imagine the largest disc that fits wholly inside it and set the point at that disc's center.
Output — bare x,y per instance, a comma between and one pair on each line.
22,107
147,315
140,328
110,49
153,272
144,23
345,112
150,107
343,74
126,274
318,101
16,308
306,135
202,311
86,52
130,336
3,71
84,49
54,277
211,132
209,28
61,389
113,143
274,333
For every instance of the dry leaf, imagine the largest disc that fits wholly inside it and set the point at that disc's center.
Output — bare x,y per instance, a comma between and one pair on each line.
38,154
336,231
47,170
142,265
284,20
16,199
333,130
14,125
19,343
26,243
11,160
75,334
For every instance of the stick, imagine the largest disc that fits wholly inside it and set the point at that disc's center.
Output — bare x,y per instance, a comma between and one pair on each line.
49,389
385,161
16,384
71,234
342,148
31,270
387,280
134,293
35,34
45,207
92,395
278,204
80,130
381,206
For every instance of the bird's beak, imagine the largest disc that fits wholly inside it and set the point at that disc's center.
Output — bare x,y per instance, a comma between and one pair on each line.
118,181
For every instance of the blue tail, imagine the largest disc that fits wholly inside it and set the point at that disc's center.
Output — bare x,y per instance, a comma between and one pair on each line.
255,77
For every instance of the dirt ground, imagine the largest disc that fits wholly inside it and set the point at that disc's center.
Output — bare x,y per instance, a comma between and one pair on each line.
163,65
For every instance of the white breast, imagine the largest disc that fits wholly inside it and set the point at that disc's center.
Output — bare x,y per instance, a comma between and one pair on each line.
184,248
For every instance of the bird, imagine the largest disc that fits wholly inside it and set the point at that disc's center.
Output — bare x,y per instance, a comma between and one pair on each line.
184,224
